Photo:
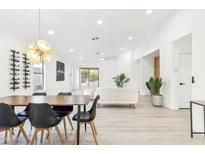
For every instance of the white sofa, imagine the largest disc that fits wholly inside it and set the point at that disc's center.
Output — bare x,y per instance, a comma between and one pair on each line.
120,96
87,91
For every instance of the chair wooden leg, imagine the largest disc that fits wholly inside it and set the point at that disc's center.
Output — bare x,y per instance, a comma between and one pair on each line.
42,133
49,136
65,128
93,131
17,137
31,128
13,131
71,125
11,135
94,127
36,139
59,134
6,134
75,138
34,136
23,132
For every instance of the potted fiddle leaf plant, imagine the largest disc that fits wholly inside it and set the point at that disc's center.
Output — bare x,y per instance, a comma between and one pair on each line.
120,80
154,85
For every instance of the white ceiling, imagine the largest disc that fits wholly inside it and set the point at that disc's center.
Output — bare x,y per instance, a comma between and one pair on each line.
75,28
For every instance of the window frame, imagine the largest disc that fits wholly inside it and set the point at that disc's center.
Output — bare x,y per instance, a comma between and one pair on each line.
89,68
42,73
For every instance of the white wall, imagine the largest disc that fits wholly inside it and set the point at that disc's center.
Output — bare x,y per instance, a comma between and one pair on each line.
172,28
125,63
176,26
147,64
52,86
198,67
106,71
9,42
198,46
147,45
137,74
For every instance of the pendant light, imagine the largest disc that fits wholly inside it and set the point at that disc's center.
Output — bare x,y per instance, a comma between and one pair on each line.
39,51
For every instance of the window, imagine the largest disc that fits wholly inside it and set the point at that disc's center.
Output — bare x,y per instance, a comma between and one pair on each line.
89,78
38,77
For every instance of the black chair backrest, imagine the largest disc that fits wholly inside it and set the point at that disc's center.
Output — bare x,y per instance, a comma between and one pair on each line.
65,94
27,107
63,108
93,108
39,94
8,117
42,115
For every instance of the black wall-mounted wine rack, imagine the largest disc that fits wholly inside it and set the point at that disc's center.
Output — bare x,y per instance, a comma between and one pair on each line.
15,70
26,71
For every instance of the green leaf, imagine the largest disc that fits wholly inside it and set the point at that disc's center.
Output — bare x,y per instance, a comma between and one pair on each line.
154,85
120,79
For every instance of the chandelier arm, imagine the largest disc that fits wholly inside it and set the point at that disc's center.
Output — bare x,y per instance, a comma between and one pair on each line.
39,24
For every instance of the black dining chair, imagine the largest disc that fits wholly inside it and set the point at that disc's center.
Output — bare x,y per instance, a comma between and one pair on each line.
64,111
9,120
25,112
39,94
88,117
42,117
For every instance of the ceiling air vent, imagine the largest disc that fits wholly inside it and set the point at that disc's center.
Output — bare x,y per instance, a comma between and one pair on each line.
95,38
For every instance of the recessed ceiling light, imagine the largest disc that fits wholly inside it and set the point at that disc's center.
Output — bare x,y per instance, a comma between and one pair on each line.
50,32
102,58
101,53
130,38
99,22
122,49
80,58
71,50
149,11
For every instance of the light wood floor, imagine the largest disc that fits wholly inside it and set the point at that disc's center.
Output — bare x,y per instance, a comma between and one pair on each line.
122,125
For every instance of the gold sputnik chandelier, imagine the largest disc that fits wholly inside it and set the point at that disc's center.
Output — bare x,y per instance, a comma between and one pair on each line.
39,51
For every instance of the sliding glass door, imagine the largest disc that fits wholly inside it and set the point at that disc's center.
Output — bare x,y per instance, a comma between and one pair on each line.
89,78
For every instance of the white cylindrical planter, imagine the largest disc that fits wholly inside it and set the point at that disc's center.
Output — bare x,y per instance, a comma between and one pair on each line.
157,100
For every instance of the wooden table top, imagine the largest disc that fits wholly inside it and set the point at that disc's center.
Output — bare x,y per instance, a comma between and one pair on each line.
199,102
50,99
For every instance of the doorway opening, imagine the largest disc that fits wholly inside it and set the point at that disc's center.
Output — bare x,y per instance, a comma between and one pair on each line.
150,67
89,78
157,66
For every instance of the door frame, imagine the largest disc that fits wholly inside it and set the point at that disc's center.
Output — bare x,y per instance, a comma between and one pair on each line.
97,68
